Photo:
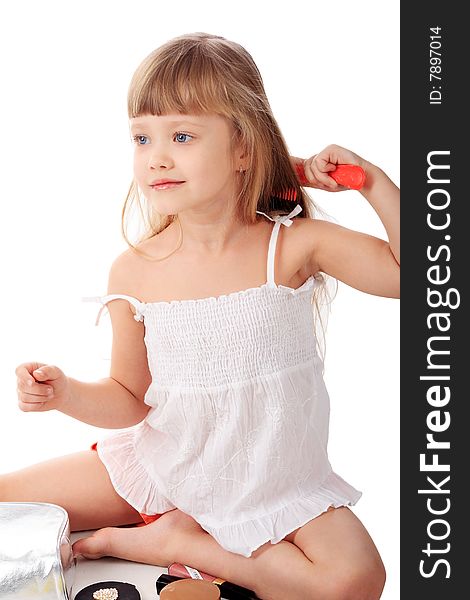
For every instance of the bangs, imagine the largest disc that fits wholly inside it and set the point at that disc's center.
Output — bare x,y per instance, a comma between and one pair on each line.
180,82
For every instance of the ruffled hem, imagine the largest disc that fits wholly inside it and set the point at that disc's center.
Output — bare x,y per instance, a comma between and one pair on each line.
129,477
132,482
246,537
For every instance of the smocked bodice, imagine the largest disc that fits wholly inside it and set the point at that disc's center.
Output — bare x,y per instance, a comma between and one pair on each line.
227,339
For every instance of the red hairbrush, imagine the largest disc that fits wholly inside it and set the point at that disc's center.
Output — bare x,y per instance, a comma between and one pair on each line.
351,176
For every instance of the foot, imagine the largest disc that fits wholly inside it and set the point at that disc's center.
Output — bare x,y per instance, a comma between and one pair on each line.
95,546
155,543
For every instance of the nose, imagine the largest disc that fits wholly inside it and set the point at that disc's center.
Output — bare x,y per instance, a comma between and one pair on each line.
160,157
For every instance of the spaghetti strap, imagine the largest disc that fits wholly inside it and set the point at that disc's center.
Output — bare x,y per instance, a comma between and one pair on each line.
103,300
278,220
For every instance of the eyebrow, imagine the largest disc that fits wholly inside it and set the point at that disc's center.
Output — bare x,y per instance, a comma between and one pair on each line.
174,123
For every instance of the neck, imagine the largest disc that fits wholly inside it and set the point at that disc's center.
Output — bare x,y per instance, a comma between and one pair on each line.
209,235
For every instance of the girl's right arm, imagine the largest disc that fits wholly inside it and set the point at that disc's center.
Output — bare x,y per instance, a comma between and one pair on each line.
114,402
105,403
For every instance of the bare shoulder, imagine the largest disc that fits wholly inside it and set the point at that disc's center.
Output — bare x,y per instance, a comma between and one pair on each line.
137,264
308,234
308,226
123,273
311,237
320,235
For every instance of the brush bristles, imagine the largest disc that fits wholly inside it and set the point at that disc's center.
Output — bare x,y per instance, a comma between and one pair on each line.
289,194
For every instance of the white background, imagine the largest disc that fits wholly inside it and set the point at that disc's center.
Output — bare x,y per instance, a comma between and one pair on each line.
331,71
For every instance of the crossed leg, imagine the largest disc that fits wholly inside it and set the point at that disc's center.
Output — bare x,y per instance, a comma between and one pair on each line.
79,483
330,558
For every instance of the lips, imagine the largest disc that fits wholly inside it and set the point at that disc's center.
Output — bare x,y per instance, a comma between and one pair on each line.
165,184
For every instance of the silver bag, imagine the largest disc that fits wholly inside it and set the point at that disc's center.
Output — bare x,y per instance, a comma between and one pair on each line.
36,561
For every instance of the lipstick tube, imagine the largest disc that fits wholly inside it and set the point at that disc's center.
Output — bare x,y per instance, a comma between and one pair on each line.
228,590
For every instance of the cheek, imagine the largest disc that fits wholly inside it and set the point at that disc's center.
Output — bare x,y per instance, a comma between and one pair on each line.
139,169
219,166
215,175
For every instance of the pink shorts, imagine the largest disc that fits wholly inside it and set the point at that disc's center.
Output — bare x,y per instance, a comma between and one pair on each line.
145,518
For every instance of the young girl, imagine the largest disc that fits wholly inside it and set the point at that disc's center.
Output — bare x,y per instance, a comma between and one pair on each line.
215,379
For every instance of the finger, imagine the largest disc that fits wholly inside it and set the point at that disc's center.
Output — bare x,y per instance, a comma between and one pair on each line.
341,188
314,175
23,372
315,170
46,373
31,406
35,389
336,187
333,185
324,166
327,181
32,398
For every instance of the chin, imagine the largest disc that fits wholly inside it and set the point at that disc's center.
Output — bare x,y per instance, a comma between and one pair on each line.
165,209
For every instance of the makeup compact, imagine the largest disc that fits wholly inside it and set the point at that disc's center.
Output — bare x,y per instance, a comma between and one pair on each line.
190,589
109,590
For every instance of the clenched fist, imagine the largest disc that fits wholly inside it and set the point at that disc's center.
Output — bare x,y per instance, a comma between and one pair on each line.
41,387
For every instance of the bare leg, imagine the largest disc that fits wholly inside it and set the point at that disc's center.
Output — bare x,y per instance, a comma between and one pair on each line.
338,560
77,482
331,558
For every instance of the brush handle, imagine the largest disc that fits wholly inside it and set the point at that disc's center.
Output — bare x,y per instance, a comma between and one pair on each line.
351,176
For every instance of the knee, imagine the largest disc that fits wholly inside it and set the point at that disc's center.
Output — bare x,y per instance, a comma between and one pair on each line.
364,582
181,521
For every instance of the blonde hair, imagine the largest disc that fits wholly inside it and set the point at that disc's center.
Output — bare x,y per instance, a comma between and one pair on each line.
202,73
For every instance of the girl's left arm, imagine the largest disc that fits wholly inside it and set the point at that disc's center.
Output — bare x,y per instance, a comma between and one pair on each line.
363,261
384,197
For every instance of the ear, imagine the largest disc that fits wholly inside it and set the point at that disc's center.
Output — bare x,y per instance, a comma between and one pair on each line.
242,160
241,156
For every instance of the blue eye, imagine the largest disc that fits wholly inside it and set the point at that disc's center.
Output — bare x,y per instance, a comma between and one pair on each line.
140,140
182,137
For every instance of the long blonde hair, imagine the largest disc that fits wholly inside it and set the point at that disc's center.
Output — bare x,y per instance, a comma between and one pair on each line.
202,73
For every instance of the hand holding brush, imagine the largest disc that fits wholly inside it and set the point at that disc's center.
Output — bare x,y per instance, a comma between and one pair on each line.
333,163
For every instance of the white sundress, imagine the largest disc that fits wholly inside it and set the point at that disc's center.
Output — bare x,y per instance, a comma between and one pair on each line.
237,432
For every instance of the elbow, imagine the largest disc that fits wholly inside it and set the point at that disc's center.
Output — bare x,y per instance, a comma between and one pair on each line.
391,285
395,289
395,280
141,411
136,416
395,254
